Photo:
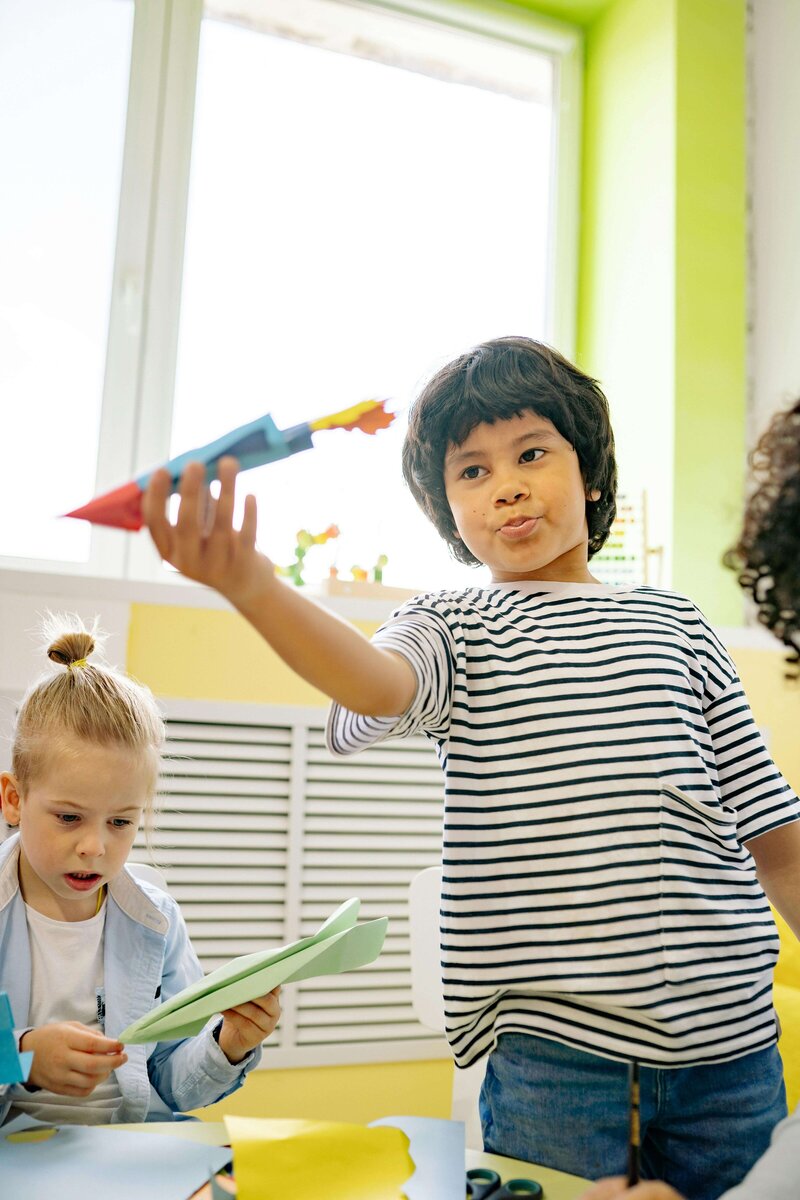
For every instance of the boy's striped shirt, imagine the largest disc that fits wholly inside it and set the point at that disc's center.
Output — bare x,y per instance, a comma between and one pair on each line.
602,772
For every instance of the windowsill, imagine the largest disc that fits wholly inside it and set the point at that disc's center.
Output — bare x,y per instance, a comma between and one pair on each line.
182,593
347,602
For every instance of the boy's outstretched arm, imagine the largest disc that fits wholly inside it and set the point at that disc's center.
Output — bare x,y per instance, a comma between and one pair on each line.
326,651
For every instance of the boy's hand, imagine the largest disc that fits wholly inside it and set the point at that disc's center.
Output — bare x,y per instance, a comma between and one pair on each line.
617,1189
71,1059
322,648
203,543
246,1026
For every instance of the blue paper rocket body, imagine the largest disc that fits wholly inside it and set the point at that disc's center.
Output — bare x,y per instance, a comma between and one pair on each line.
253,445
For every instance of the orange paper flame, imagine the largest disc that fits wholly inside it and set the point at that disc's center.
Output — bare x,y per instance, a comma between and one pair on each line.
369,417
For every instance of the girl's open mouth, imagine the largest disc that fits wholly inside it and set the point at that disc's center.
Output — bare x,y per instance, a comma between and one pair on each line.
82,881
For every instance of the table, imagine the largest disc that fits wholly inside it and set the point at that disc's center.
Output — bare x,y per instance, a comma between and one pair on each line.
557,1185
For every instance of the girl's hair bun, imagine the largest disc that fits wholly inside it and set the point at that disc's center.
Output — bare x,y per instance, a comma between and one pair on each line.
71,647
93,704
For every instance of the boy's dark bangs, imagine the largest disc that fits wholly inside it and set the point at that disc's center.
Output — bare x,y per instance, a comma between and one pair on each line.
476,406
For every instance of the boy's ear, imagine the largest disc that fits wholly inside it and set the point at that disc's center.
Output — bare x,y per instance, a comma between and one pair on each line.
594,494
9,791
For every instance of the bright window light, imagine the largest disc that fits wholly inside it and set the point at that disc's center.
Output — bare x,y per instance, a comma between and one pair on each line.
63,90
352,225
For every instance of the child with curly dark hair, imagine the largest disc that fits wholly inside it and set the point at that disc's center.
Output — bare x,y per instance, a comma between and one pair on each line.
767,555
612,818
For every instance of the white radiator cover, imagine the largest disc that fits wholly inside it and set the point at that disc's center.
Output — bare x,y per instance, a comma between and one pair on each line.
261,833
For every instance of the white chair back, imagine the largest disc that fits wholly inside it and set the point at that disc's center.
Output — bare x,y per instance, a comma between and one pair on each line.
426,972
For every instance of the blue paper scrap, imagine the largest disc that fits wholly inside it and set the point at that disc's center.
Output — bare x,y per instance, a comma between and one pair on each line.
77,1161
438,1150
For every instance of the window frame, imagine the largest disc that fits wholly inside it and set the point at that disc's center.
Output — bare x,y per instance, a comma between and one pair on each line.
145,296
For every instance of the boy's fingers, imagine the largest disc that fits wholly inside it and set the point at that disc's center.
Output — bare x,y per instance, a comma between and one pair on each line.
607,1189
249,524
154,510
652,1191
223,516
192,511
617,1189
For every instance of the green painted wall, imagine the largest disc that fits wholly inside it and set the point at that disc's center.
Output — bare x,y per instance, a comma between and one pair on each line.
662,294
627,247
710,298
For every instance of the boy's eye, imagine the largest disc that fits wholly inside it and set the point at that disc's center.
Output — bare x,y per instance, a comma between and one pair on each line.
120,822
532,455
67,818
471,472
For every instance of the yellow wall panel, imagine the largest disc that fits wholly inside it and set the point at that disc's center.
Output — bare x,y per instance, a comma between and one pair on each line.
775,702
360,1093
212,654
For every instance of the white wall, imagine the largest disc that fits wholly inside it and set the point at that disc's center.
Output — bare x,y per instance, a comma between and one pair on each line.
775,166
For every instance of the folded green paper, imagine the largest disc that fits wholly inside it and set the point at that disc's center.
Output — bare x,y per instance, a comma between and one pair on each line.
338,945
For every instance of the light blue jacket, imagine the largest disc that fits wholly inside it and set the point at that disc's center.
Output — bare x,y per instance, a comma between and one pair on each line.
147,958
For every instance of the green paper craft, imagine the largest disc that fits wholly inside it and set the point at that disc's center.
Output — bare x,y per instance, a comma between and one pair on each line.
338,945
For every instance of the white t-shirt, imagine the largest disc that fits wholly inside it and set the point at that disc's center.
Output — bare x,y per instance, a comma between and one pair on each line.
67,985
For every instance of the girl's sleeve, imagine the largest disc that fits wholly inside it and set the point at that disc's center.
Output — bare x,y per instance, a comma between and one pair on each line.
191,1072
425,640
749,782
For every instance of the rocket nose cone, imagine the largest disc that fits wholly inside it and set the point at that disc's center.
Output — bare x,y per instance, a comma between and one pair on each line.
121,508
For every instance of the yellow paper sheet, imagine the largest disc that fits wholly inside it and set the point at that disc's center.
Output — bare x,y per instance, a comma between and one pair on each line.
304,1160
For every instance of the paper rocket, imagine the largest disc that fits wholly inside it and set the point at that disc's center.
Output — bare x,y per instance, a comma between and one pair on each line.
338,945
14,1066
254,444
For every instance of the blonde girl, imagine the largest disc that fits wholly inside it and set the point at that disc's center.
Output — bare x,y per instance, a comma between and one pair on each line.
85,948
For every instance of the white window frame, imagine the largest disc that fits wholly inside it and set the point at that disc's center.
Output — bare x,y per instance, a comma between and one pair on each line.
136,418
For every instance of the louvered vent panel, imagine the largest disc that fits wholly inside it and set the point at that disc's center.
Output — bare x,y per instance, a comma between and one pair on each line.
261,833
222,833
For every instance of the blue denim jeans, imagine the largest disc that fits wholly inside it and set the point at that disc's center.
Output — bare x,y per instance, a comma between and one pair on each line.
702,1128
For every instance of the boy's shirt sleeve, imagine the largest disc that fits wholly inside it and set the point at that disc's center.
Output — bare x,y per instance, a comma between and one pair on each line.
423,637
749,782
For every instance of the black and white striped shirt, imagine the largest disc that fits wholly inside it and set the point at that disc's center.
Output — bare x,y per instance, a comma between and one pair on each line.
603,773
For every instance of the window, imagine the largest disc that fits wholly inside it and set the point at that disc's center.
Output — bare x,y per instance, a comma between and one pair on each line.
323,201
63,76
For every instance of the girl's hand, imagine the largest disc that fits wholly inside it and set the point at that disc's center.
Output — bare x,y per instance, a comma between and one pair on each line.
71,1059
203,543
246,1026
617,1189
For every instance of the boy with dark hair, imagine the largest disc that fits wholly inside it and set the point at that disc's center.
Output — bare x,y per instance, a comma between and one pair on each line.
612,818
494,382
